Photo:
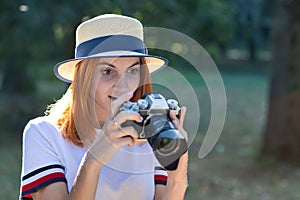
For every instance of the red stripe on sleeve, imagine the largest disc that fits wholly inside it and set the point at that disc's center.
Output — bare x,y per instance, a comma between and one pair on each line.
42,180
160,178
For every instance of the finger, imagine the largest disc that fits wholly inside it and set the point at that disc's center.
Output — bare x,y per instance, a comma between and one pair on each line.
184,158
181,117
179,127
115,139
176,123
173,114
128,131
118,120
123,116
116,104
174,119
125,141
182,114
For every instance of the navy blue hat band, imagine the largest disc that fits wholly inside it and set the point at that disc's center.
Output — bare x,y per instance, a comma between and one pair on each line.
110,43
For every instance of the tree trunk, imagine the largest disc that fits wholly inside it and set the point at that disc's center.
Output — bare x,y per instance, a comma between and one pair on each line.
282,135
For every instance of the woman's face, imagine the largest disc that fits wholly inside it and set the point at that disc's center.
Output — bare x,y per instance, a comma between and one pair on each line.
114,77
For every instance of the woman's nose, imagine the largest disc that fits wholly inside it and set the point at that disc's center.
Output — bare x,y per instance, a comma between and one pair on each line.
122,82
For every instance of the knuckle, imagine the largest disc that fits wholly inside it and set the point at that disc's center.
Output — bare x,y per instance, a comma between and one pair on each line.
131,131
129,115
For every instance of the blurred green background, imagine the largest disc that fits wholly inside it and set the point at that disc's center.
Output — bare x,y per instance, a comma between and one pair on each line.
255,45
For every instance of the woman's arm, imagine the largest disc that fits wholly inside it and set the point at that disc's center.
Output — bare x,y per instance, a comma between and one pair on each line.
57,190
106,144
84,187
86,182
159,191
177,182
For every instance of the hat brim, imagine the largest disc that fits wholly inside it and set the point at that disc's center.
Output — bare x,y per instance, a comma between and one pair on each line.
65,70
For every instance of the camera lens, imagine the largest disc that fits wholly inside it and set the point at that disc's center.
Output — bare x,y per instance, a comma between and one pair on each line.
163,142
167,146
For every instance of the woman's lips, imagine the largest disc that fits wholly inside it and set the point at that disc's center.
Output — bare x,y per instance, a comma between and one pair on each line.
115,97
112,98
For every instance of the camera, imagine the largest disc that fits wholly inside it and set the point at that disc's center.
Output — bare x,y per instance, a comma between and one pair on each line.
167,143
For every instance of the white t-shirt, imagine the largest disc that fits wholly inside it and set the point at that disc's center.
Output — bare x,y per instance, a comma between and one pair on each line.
48,158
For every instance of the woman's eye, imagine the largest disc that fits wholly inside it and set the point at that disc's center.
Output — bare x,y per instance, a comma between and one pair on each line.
106,71
133,70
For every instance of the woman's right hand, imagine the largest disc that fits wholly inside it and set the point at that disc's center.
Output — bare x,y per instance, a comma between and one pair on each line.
112,137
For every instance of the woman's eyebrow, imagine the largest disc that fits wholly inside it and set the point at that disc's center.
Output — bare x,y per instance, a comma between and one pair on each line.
113,66
136,63
107,63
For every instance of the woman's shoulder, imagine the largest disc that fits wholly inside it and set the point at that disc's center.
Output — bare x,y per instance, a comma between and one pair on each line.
40,122
41,125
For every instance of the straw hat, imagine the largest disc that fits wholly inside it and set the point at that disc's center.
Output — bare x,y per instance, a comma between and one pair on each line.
108,35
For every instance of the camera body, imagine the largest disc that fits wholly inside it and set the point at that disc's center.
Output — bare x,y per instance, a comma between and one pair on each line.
167,142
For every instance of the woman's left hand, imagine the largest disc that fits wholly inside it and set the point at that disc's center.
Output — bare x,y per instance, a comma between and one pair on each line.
180,174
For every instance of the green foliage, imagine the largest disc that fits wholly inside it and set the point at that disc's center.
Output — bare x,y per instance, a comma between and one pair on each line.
207,21
45,30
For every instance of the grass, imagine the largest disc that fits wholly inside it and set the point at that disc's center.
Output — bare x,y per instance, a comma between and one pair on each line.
10,166
232,170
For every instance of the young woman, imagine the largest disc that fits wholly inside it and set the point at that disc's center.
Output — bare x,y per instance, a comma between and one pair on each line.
79,150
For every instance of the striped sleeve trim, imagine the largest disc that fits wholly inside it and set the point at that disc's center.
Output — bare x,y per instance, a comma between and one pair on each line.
42,169
160,179
40,178
160,176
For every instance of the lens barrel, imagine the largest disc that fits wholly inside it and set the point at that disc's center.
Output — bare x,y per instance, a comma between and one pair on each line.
168,146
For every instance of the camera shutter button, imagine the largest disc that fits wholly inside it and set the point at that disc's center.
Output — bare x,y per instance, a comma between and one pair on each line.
135,108
173,104
143,104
